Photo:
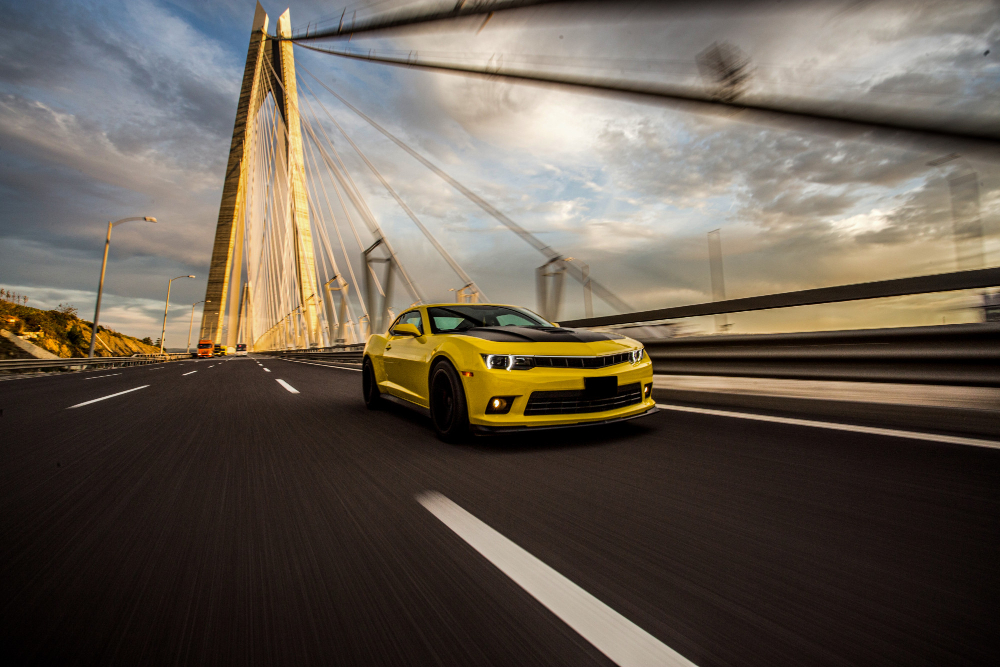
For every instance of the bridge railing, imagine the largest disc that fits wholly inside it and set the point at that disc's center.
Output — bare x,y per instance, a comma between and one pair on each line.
342,353
961,354
955,354
81,363
958,354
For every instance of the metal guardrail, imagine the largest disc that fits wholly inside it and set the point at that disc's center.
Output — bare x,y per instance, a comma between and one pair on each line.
941,282
959,354
342,353
80,363
954,354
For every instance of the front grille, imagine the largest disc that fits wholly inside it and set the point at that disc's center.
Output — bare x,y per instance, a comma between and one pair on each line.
582,362
576,402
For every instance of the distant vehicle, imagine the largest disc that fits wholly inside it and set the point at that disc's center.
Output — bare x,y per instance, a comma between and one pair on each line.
490,368
219,350
230,350
205,347
241,349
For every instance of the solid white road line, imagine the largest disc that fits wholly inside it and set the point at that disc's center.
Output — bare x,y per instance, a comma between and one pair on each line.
944,396
183,374
612,634
871,430
343,368
103,398
102,376
288,386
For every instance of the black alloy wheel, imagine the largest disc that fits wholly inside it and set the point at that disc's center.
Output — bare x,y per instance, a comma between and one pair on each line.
369,387
448,408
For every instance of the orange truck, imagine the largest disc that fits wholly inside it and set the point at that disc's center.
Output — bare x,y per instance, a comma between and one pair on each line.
205,347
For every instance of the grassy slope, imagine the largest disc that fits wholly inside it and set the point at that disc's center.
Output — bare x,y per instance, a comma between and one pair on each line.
64,334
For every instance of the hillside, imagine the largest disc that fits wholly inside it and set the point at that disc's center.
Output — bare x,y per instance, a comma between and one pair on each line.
63,333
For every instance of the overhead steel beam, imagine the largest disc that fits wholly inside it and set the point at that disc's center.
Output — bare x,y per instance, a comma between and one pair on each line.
980,140
349,26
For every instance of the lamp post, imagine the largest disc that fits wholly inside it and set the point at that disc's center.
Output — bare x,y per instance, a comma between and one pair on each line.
104,265
163,332
191,325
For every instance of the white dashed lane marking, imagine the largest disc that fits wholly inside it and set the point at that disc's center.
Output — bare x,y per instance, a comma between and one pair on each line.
612,634
343,368
183,374
104,398
96,377
288,386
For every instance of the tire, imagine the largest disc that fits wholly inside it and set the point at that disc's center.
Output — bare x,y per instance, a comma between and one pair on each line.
449,412
369,387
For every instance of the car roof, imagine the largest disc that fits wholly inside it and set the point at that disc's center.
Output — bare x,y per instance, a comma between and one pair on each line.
432,305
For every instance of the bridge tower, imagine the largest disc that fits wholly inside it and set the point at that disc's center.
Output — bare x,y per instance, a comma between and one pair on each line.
272,63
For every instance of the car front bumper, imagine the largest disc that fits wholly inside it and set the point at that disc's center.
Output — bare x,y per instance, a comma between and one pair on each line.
486,384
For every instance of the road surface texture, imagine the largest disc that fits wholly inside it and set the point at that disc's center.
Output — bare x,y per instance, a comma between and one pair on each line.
214,516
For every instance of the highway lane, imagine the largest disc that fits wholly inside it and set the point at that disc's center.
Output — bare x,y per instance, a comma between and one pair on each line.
218,517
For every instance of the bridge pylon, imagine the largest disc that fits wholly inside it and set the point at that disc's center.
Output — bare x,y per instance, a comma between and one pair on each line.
270,65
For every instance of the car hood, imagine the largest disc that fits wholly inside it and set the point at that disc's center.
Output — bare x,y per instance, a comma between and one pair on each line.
539,335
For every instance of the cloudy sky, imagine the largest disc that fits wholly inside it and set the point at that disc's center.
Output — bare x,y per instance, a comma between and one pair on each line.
112,109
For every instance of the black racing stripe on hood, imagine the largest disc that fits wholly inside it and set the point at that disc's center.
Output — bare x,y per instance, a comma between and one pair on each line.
539,335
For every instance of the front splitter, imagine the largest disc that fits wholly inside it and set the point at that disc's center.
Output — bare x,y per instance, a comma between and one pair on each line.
500,430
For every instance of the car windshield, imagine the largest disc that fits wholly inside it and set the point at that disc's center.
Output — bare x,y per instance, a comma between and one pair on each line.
461,317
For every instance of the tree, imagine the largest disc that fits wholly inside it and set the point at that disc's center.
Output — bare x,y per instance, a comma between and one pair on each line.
147,340
75,336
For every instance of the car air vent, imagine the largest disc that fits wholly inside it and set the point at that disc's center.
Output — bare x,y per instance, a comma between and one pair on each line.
582,362
576,401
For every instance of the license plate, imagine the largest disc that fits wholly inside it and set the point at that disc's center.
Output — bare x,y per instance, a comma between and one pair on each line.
603,387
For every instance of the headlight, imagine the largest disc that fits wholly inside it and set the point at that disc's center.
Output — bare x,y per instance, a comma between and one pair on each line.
510,362
496,360
636,355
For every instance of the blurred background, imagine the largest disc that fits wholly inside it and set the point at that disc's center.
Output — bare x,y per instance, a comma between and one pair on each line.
112,107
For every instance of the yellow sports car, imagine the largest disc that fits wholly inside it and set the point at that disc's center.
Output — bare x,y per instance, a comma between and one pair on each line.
491,368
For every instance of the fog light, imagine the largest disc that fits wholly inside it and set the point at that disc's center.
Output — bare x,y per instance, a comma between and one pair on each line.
499,405
647,390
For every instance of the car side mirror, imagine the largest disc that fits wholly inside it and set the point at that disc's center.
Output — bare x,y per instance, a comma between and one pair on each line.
406,329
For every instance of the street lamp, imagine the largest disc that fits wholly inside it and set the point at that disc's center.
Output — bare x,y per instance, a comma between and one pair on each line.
191,326
163,332
104,265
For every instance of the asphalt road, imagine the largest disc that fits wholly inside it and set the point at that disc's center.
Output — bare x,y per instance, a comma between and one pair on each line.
216,517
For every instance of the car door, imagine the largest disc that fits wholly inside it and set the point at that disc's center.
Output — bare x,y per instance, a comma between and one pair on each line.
406,360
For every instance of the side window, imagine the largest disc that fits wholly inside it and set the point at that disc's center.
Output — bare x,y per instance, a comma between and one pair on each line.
413,317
